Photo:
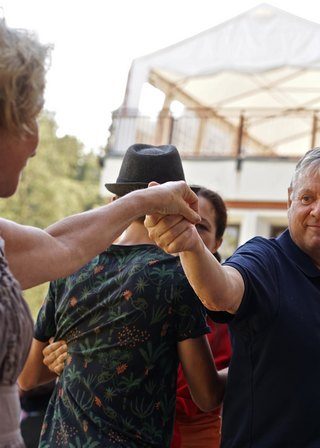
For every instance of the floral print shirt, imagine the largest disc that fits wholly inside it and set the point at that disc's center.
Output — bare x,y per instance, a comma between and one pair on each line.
122,315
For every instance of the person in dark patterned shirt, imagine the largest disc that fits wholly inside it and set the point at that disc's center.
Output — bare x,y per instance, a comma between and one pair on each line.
128,317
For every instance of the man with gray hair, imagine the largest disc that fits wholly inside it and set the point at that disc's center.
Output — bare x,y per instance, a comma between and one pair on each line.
269,293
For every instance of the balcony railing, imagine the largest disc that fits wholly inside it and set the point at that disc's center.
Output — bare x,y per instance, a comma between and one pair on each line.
207,133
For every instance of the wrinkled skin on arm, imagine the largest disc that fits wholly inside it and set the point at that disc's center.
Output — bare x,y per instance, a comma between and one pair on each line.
220,288
65,246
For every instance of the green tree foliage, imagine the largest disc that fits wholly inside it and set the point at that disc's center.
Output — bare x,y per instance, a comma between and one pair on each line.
35,297
61,180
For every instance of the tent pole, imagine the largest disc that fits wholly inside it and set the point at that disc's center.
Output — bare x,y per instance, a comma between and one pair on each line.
164,123
314,130
239,142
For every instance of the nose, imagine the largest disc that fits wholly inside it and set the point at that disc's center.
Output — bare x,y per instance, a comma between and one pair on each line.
315,211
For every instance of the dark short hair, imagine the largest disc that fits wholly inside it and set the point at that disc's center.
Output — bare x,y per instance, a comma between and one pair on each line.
220,208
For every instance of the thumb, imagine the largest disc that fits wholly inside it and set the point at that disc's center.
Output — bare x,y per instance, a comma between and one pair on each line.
189,207
191,215
152,220
153,184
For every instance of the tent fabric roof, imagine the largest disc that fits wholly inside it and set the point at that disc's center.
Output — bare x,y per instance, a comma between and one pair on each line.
263,58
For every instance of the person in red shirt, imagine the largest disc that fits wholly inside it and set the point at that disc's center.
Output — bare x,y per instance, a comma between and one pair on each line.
194,428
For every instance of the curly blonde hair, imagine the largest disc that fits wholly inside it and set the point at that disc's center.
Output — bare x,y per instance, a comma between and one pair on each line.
22,78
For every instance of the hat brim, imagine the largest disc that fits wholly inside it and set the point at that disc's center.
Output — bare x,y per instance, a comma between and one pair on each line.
121,189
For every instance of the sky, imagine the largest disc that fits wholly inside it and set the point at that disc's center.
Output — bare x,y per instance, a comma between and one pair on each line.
94,43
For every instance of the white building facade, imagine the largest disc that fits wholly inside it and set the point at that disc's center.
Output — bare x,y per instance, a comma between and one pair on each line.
248,93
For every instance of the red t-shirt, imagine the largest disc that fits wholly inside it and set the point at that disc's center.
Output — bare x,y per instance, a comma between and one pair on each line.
220,345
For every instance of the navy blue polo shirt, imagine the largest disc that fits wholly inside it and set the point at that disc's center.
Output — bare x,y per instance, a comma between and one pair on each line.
273,392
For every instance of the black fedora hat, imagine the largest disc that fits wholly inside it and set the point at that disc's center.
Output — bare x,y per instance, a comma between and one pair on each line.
142,164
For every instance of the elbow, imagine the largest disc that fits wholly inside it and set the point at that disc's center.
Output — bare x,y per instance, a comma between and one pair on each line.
208,404
211,399
26,385
212,302
27,382
211,305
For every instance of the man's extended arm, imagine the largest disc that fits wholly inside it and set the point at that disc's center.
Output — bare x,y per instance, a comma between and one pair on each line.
219,287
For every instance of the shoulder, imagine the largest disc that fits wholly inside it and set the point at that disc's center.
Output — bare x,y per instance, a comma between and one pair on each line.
258,261
258,243
256,250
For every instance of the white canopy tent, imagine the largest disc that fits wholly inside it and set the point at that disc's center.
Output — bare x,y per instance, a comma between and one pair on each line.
261,67
251,93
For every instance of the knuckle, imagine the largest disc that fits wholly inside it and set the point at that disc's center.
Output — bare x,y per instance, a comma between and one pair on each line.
151,232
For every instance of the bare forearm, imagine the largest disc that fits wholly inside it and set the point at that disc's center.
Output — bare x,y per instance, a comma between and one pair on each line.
86,234
34,372
213,392
205,383
27,382
219,288
36,256
216,393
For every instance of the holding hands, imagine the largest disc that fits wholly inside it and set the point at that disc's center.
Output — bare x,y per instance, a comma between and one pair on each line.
172,233
173,198
173,230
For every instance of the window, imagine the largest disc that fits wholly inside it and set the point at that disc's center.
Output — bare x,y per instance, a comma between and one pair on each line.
276,231
230,241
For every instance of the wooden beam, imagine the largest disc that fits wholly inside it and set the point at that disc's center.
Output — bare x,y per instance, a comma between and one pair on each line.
273,205
173,90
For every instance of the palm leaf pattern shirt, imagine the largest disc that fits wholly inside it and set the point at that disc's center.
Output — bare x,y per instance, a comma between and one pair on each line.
122,315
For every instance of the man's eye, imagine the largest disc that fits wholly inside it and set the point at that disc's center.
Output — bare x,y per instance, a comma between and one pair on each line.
306,199
201,227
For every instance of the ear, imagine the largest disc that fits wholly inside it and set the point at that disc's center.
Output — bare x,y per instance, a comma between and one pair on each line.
289,201
218,244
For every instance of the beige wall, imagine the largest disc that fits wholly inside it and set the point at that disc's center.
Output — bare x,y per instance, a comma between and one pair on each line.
258,180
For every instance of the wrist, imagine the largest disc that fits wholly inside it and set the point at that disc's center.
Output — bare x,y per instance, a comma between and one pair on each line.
198,247
138,203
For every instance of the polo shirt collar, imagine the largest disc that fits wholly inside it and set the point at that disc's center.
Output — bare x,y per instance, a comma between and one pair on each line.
300,258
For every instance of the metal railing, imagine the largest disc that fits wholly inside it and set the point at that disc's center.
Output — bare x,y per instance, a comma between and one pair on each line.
208,133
